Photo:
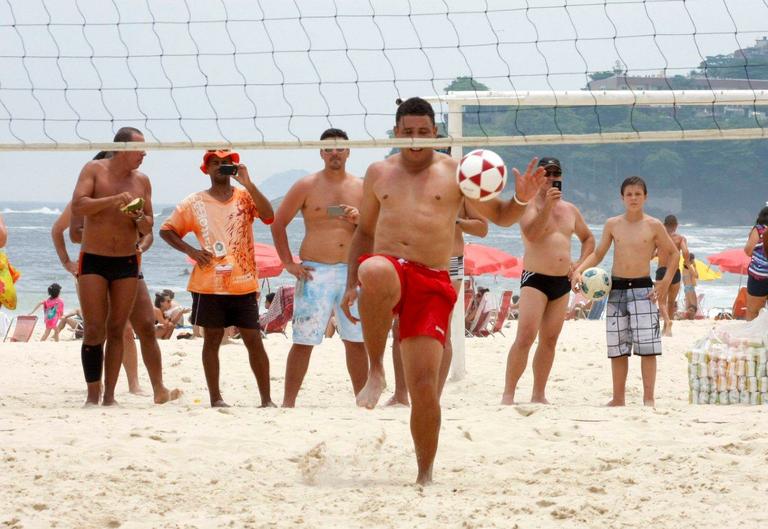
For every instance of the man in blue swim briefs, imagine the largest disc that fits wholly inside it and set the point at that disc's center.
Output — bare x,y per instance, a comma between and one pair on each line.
328,201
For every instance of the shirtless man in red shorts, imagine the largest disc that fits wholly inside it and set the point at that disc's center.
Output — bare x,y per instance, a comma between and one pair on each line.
407,219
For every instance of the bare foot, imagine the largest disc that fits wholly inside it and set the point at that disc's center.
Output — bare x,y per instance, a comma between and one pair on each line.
539,400
425,477
163,396
371,392
138,391
268,404
288,404
668,332
109,402
613,403
219,404
508,399
649,402
90,404
398,400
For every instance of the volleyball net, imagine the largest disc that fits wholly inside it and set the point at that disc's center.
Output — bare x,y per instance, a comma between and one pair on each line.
272,74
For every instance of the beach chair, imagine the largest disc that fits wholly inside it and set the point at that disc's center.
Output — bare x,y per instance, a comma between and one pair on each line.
578,307
502,314
598,307
280,312
739,309
78,331
469,296
485,312
22,332
700,312
5,323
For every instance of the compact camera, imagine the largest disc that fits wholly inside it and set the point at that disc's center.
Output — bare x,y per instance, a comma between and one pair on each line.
228,169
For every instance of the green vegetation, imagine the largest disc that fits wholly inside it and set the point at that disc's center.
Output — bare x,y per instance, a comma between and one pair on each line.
711,182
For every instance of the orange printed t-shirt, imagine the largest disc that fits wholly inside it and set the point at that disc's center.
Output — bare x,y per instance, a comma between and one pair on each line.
225,229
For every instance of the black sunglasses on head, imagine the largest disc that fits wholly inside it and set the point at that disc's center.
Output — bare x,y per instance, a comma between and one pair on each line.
554,172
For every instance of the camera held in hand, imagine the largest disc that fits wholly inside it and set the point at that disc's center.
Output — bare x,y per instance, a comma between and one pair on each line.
228,169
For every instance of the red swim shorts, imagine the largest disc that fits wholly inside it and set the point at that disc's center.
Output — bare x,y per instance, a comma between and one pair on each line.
426,299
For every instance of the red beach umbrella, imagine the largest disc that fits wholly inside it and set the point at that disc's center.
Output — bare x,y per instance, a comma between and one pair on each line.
733,260
480,259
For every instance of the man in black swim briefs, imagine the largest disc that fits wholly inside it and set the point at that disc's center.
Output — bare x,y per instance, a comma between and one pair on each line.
547,227
109,264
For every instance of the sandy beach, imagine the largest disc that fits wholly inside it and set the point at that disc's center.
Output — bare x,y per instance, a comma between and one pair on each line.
574,463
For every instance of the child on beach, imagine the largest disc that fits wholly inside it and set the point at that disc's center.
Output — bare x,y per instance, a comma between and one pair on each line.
53,308
632,315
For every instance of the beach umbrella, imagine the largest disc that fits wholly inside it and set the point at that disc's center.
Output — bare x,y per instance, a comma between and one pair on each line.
514,272
267,260
480,259
733,260
703,270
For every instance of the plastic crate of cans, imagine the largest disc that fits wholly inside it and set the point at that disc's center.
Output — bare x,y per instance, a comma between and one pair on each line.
729,365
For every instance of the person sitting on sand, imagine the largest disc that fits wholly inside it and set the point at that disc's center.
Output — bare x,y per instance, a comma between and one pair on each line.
164,326
73,320
53,308
176,311
474,306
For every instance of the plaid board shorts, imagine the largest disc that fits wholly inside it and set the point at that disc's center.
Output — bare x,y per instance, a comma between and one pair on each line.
632,323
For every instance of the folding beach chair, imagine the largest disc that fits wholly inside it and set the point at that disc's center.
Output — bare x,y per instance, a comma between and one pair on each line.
597,309
5,323
502,314
22,332
739,309
280,312
469,297
483,316
578,307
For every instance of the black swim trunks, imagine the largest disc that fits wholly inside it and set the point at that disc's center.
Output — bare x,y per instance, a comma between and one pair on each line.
662,270
109,267
223,310
553,287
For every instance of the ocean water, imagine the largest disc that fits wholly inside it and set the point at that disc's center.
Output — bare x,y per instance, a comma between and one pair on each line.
30,249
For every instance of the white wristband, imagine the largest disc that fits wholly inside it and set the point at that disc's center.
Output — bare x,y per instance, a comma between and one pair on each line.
520,202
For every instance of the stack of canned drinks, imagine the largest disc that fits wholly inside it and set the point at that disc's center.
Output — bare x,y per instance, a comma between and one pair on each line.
731,372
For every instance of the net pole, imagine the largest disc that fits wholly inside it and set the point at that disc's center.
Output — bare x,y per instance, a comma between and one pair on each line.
458,341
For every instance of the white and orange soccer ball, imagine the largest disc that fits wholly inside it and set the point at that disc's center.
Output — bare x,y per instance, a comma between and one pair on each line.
481,175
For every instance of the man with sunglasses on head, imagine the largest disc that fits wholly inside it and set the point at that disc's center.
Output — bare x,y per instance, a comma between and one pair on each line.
328,202
546,227
225,281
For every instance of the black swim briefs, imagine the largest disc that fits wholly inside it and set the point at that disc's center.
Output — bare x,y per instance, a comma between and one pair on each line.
662,270
553,287
109,267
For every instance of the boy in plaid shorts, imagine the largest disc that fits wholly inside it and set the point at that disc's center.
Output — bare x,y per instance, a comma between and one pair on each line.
632,315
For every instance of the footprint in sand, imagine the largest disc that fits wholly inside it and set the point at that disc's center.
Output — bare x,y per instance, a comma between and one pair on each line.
312,463
525,411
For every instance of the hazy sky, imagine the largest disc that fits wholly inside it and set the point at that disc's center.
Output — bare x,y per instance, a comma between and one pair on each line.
191,75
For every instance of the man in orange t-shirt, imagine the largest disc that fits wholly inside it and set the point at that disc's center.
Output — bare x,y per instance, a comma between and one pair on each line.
224,283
